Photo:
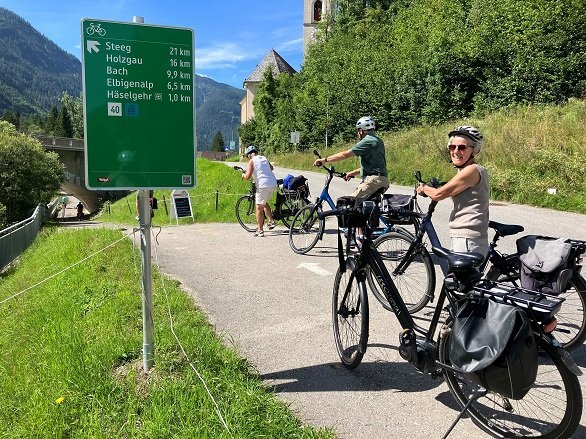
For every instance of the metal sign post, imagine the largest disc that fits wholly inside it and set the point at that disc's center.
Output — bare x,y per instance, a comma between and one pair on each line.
144,217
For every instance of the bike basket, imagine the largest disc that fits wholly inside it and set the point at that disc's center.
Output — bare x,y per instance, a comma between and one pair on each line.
359,214
493,344
396,201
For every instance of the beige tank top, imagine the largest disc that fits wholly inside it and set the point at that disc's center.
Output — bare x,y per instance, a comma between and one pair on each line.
469,217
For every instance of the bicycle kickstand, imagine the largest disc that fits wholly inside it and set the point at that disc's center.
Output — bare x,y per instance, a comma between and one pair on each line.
478,393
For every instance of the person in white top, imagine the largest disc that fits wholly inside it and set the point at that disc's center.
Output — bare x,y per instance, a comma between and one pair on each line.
260,169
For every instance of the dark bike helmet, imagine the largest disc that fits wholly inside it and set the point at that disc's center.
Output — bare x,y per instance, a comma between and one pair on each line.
471,133
251,149
365,123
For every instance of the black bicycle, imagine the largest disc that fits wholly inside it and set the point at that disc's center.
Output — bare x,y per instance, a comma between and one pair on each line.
287,204
411,267
552,408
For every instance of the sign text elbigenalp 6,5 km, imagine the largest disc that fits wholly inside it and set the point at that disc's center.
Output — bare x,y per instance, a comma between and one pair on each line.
139,105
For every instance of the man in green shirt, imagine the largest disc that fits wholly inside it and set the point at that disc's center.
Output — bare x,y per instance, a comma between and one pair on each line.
373,165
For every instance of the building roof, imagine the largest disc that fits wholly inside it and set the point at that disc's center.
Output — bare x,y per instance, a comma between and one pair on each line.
273,61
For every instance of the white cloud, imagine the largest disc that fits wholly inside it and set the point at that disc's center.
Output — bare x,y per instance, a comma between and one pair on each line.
291,46
223,55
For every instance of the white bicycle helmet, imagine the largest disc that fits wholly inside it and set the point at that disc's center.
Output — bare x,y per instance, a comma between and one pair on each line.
471,133
365,123
251,149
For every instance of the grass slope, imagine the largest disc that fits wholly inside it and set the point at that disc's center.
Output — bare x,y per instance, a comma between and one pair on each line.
71,361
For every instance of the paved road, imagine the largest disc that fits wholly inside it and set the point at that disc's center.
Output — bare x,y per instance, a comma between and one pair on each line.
273,306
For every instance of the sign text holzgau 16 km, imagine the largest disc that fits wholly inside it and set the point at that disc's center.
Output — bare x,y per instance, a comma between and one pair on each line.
139,105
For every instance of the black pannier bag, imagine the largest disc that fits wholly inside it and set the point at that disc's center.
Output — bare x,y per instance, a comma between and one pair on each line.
362,212
297,182
494,345
396,201
544,263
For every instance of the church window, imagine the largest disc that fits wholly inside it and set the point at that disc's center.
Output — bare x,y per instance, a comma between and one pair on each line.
317,10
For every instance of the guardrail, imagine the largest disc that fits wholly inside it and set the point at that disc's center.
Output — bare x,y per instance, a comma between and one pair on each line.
14,240
61,142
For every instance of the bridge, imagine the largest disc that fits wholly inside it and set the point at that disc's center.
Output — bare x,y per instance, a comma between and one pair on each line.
71,154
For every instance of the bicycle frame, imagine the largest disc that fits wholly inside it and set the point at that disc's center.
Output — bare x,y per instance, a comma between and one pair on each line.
370,257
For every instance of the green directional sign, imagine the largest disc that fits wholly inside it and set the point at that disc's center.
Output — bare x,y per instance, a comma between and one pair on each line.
139,105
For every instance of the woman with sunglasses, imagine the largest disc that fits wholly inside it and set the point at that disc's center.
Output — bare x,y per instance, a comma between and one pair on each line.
469,190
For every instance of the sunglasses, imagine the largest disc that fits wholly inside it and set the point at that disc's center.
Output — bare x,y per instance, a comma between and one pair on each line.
458,147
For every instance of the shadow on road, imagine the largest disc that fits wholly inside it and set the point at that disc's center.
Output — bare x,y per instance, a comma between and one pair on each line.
369,376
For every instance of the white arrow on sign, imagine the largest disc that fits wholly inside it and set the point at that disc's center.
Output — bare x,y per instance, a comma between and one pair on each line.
93,45
313,267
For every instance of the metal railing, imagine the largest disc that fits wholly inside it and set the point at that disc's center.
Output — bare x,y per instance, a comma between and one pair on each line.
14,240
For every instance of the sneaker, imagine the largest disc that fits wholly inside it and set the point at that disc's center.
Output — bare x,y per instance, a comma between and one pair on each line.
271,225
259,233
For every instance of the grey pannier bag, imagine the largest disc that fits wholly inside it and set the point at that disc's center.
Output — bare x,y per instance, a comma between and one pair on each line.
544,263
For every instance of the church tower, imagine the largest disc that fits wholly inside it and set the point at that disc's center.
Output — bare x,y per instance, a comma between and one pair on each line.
313,13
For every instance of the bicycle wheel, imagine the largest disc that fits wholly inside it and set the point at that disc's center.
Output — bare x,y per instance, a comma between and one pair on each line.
246,212
571,328
551,409
305,230
350,315
289,208
417,284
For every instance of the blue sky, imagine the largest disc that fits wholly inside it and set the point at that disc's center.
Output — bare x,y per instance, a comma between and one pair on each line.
231,37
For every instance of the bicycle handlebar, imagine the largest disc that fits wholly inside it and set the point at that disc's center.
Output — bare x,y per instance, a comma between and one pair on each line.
331,169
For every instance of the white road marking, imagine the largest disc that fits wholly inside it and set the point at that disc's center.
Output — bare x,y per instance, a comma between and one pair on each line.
314,267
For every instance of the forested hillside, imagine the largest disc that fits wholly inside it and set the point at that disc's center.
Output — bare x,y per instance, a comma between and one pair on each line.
34,71
414,62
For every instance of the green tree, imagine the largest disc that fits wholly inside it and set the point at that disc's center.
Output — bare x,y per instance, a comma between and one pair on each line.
28,174
64,125
413,62
12,117
51,122
218,142
247,133
74,108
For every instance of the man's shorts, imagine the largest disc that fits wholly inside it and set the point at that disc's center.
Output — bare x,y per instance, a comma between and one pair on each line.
370,185
264,194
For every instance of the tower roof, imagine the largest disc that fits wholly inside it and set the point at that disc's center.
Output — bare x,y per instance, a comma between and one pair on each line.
275,62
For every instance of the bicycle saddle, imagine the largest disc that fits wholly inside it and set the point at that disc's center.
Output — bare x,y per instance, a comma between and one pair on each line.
505,229
459,261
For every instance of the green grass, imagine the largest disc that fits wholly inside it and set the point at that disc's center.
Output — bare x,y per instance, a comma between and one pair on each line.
71,361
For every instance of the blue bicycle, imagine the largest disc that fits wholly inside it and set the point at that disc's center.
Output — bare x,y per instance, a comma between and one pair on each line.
307,228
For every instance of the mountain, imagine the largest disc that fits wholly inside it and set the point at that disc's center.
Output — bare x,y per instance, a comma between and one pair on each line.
34,72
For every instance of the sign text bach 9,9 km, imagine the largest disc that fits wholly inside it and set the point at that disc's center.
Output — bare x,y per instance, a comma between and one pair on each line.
139,105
